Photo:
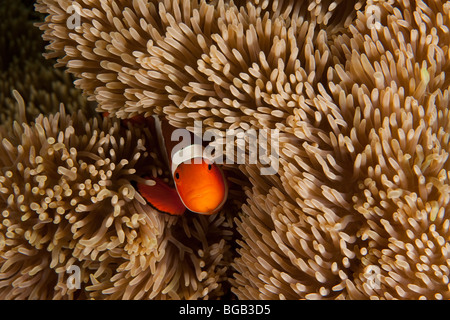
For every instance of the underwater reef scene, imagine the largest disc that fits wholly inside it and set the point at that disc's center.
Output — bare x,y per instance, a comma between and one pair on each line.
358,203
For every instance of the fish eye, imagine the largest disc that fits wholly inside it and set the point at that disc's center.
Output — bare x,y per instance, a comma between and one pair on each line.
209,166
177,175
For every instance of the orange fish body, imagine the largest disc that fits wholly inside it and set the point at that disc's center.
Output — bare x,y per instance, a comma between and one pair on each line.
200,185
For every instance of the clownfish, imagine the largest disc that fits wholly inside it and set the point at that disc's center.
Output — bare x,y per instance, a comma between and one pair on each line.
200,185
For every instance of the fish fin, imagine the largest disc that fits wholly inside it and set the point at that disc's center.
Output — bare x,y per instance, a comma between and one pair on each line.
162,197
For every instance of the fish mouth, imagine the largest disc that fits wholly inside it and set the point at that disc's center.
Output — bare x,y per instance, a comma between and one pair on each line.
206,209
204,193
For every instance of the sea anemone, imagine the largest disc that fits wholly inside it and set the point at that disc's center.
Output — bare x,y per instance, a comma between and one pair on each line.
394,97
218,62
67,199
363,212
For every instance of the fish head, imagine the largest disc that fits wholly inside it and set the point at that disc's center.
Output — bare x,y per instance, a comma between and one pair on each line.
201,185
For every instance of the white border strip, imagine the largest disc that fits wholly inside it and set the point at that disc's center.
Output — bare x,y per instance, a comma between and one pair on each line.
185,154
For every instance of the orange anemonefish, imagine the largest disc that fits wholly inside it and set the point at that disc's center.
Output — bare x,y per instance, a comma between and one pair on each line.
200,185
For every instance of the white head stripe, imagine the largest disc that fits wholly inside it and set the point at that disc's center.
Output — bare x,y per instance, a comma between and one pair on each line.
185,154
